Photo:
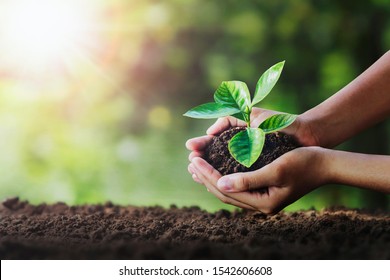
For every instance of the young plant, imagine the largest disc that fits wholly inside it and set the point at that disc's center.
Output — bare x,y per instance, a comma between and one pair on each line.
232,98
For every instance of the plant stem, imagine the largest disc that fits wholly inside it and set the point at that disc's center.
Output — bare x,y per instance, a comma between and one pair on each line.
247,116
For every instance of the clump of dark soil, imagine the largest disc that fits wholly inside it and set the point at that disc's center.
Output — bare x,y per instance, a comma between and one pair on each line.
109,231
218,155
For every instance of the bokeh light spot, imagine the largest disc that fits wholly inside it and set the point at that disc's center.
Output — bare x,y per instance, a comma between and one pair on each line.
159,117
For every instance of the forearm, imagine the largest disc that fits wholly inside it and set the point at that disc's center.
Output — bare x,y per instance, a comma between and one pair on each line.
359,105
359,170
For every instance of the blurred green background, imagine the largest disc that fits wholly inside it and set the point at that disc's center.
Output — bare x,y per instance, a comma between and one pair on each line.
92,92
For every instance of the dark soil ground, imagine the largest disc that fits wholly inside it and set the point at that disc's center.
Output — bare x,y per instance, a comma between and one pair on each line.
218,155
113,232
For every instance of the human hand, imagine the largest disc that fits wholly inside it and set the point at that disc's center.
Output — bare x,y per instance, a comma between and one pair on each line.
270,188
198,144
301,130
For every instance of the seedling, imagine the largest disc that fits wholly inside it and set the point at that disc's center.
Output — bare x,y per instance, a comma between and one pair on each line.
232,98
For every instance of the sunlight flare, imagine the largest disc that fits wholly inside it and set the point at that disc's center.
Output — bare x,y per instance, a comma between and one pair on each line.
38,34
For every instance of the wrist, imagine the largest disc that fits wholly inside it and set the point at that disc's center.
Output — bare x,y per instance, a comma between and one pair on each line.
306,132
323,161
329,165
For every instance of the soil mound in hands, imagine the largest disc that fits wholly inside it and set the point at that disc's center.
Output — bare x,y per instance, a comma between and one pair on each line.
109,231
218,155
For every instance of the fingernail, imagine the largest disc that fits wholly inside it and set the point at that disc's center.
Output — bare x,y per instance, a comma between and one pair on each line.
188,145
225,184
196,179
210,130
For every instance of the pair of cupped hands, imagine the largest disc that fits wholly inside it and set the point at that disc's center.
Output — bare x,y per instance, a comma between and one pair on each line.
272,187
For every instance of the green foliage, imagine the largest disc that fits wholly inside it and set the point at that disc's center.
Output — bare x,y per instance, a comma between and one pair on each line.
211,111
245,146
266,82
87,132
277,122
233,93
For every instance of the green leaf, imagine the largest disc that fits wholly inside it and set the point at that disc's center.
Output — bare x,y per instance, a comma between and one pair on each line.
233,93
266,82
239,116
277,122
211,111
246,146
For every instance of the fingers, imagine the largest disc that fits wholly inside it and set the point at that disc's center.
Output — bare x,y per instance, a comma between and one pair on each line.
198,143
260,189
248,181
196,179
265,199
259,115
191,170
268,202
194,155
223,124
209,177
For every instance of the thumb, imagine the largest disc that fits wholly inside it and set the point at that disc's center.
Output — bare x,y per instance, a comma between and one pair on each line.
247,181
